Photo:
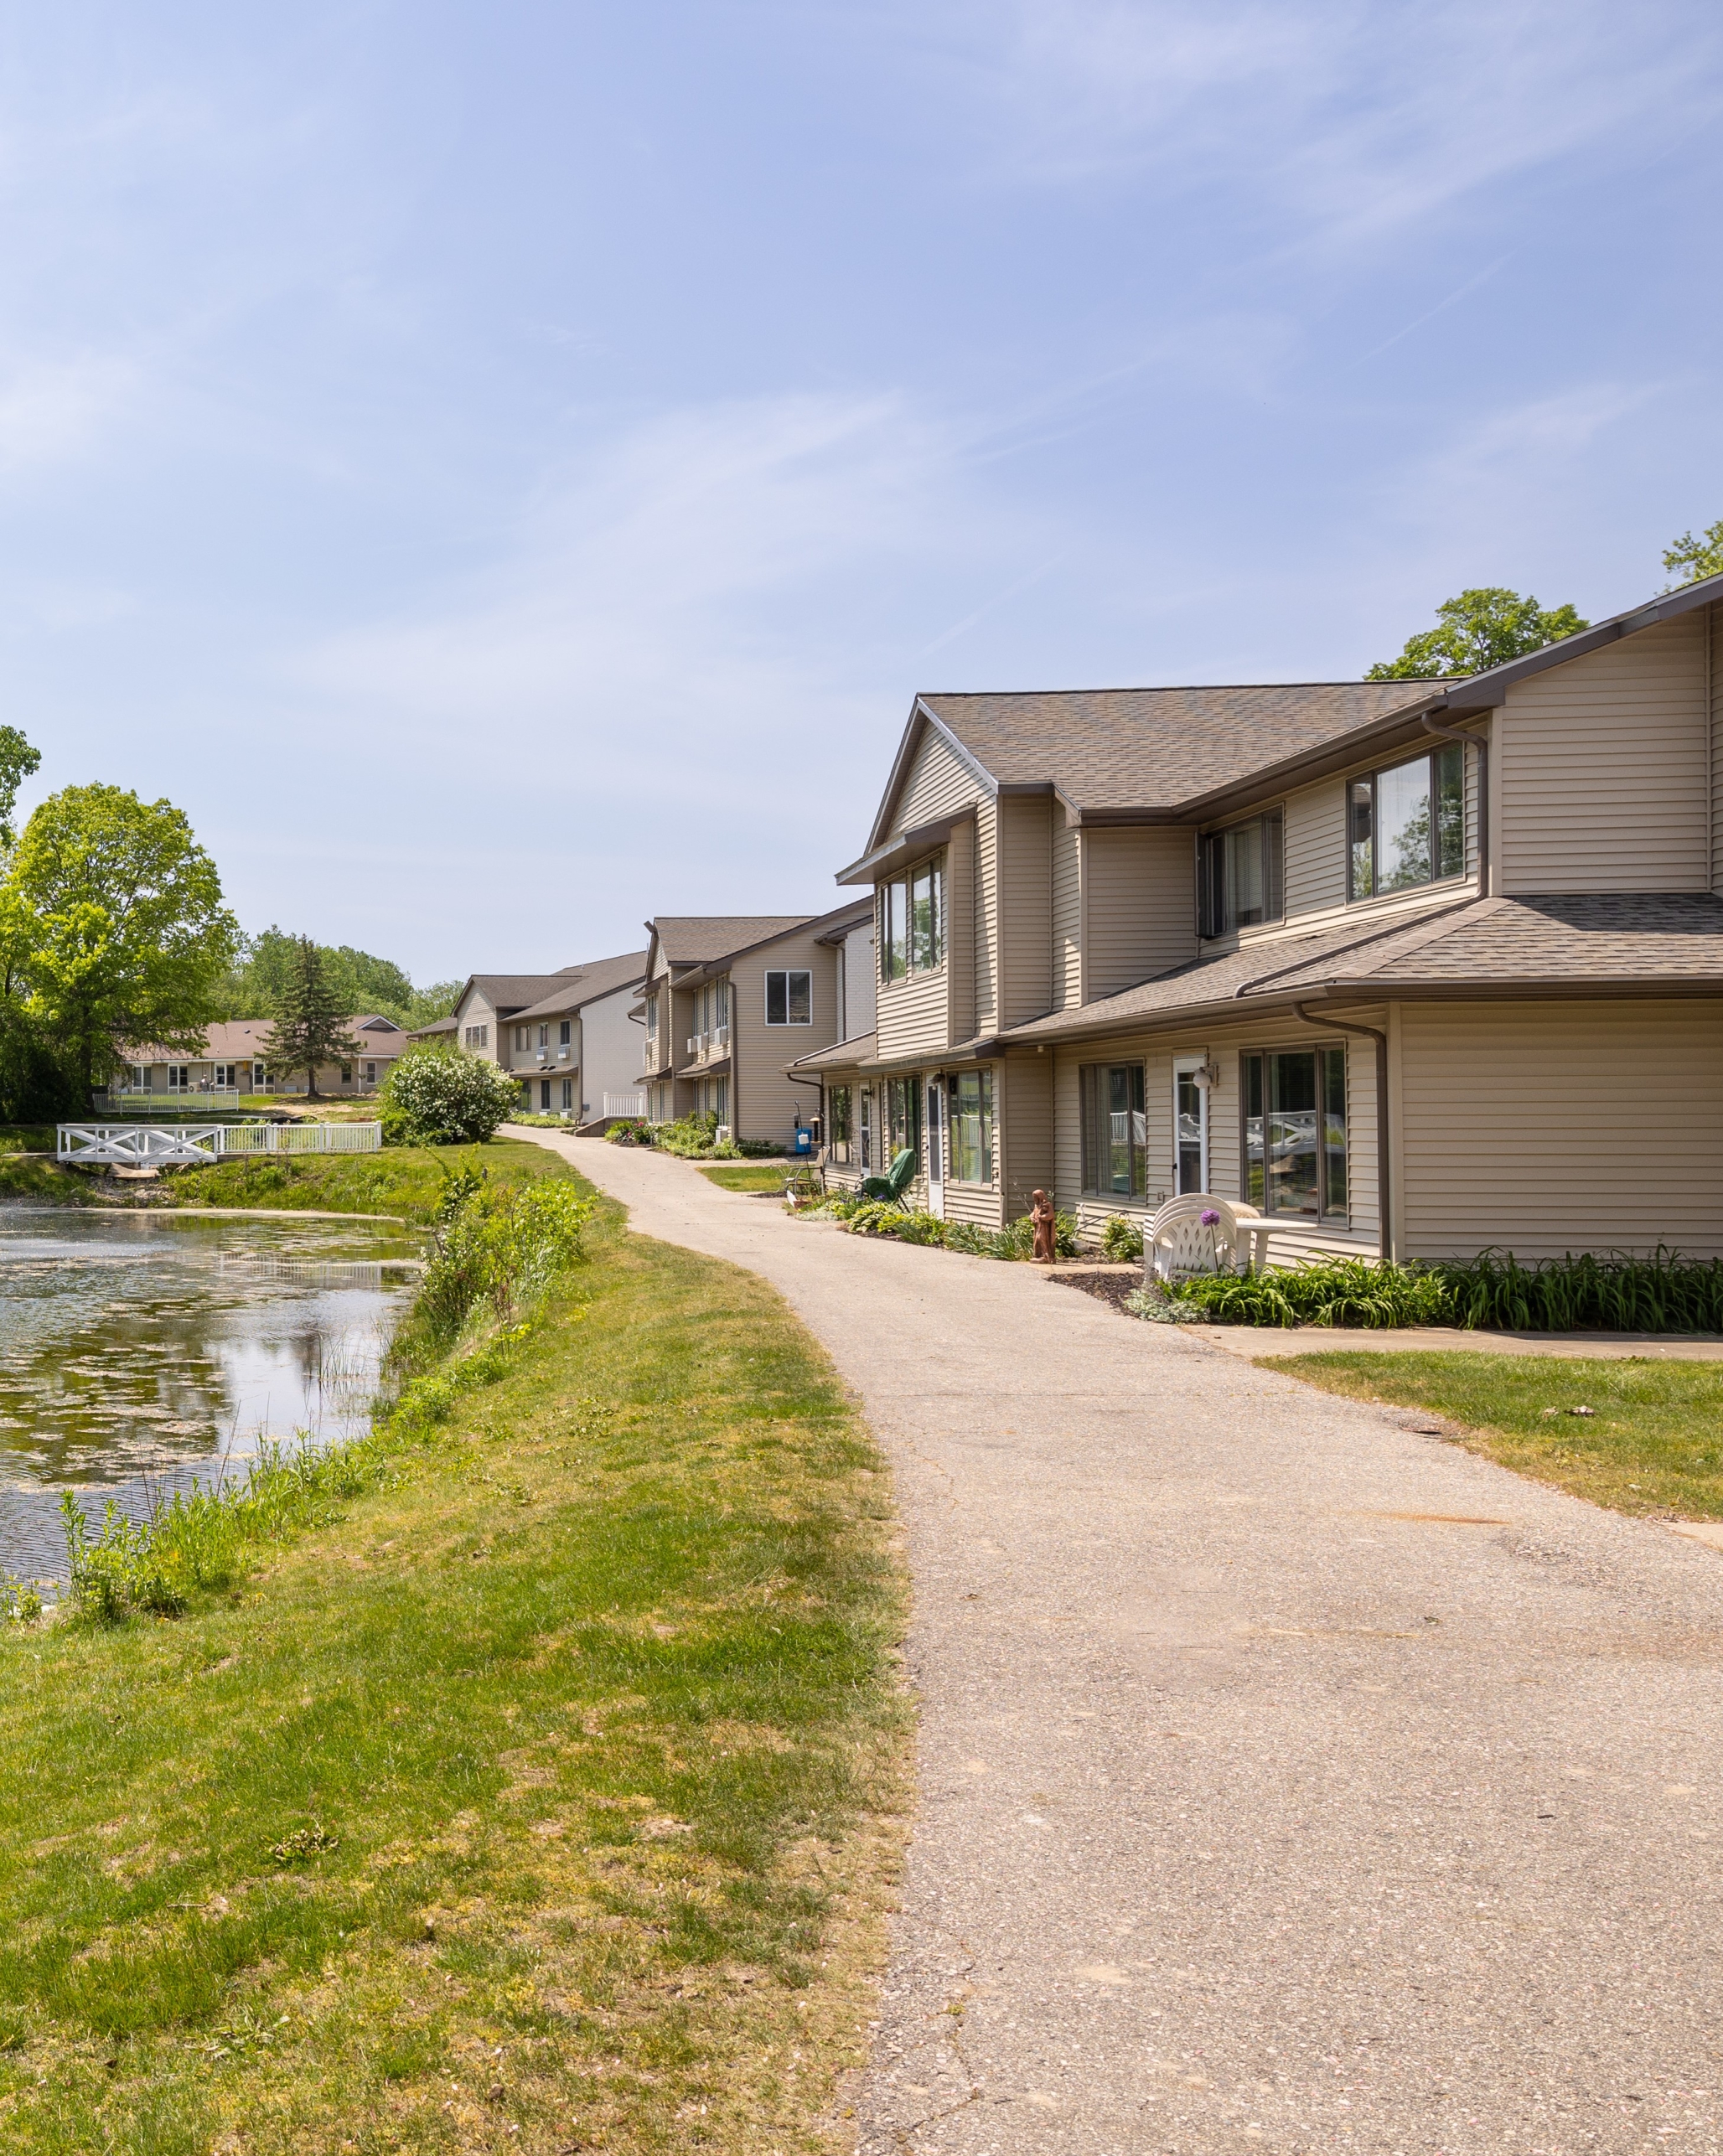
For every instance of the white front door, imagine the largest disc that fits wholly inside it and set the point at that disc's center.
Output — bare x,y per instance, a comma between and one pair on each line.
1190,1127
936,1149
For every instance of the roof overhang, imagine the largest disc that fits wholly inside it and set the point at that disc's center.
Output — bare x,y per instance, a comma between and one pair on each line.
902,851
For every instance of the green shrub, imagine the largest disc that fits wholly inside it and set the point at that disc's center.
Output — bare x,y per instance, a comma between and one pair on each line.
493,1245
1665,1293
631,1131
690,1137
1354,1292
1121,1239
438,1096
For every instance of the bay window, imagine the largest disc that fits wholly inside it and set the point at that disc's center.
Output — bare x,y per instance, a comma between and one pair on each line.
1406,825
972,1127
911,921
1295,1133
1114,1130
1241,875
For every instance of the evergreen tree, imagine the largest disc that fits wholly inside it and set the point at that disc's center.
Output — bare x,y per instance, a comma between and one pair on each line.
311,1021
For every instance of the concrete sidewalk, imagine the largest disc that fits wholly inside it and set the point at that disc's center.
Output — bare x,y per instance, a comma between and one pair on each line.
1288,1779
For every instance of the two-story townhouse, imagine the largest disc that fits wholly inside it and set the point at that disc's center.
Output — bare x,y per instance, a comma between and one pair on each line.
726,998
480,1022
574,1049
1402,991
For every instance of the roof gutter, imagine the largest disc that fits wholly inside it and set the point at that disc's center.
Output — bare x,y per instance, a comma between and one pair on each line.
1384,1208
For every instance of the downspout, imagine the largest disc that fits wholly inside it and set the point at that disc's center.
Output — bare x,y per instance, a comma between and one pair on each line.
1432,725
1383,1196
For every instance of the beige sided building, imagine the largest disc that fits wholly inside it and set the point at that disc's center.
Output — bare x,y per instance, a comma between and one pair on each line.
727,1002
1299,945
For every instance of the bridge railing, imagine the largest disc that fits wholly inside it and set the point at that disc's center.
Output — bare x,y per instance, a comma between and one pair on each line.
189,1144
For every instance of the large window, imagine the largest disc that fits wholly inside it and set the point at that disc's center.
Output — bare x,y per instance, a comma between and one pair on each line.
1407,826
479,1036
1295,1132
1242,876
972,1127
912,922
1114,1130
901,1123
837,1121
789,999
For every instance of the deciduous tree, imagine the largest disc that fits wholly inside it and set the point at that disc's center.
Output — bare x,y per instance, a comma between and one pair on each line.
1696,557
112,916
1485,627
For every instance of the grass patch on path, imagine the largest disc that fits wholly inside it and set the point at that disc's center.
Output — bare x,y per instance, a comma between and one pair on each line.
746,1177
547,1798
1654,1444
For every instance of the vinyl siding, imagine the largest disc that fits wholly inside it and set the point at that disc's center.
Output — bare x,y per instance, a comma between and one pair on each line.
1603,766
911,1014
1025,914
1068,911
938,783
1222,1045
961,939
1713,656
1023,1130
764,1100
1139,907
1552,1127
986,917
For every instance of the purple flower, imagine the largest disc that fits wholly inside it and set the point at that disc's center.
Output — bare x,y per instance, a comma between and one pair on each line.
1211,1220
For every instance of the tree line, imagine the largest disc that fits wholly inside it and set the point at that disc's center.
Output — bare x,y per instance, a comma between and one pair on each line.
115,935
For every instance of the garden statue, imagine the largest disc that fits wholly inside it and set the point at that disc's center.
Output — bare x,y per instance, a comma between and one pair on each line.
1045,1222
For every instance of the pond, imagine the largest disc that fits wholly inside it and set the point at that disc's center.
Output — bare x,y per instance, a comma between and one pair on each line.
141,1351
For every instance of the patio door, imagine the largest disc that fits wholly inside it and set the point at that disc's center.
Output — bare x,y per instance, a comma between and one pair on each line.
1190,1127
936,1149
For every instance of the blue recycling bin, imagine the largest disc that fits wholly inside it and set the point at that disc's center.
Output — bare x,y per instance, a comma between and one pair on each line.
803,1149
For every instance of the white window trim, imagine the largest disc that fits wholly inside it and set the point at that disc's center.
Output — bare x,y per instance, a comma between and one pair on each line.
766,995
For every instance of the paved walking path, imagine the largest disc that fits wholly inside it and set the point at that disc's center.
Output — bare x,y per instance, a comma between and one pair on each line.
1288,1779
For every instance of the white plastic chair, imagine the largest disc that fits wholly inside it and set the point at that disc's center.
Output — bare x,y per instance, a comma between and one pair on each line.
1176,1245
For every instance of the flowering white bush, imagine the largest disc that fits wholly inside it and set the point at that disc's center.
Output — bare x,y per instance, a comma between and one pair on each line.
441,1097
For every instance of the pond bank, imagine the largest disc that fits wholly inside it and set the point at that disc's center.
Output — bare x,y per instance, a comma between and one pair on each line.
546,1797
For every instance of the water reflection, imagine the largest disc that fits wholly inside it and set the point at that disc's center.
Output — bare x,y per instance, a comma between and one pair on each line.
139,1351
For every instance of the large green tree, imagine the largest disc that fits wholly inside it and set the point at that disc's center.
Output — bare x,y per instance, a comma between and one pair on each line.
362,983
1484,627
311,1019
113,925
1696,557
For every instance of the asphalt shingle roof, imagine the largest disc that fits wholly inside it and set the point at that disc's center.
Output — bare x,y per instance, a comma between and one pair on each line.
1139,748
696,938
581,983
1613,938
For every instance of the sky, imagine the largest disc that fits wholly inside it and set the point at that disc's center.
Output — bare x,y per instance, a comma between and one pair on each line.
504,471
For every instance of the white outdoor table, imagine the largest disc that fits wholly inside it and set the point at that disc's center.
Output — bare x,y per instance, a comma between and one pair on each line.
1259,1231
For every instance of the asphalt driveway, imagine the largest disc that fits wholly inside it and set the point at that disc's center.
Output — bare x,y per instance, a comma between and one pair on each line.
1288,1779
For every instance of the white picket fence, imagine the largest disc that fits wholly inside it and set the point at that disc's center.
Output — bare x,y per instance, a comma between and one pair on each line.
632,1105
159,1146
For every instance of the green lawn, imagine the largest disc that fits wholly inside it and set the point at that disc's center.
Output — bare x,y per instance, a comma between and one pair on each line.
407,1180
1654,1444
747,1175
547,1800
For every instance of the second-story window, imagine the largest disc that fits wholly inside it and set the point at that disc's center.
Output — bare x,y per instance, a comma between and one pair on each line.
789,999
544,1037
479,1036
912,922
1243,878
564,1033
1406,825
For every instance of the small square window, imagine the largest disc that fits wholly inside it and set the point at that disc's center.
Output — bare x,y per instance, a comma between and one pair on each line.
789,998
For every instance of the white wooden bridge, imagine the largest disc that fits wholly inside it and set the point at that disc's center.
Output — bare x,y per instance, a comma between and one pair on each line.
188,1144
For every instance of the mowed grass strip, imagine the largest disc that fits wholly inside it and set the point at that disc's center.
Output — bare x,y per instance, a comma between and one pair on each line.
405,1179
1653,1444
548,1800
747,1175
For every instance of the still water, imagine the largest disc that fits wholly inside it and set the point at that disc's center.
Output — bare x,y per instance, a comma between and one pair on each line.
140,1352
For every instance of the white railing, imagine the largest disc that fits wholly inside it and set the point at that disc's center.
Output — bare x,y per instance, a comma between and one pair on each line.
630,1104
150,1146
